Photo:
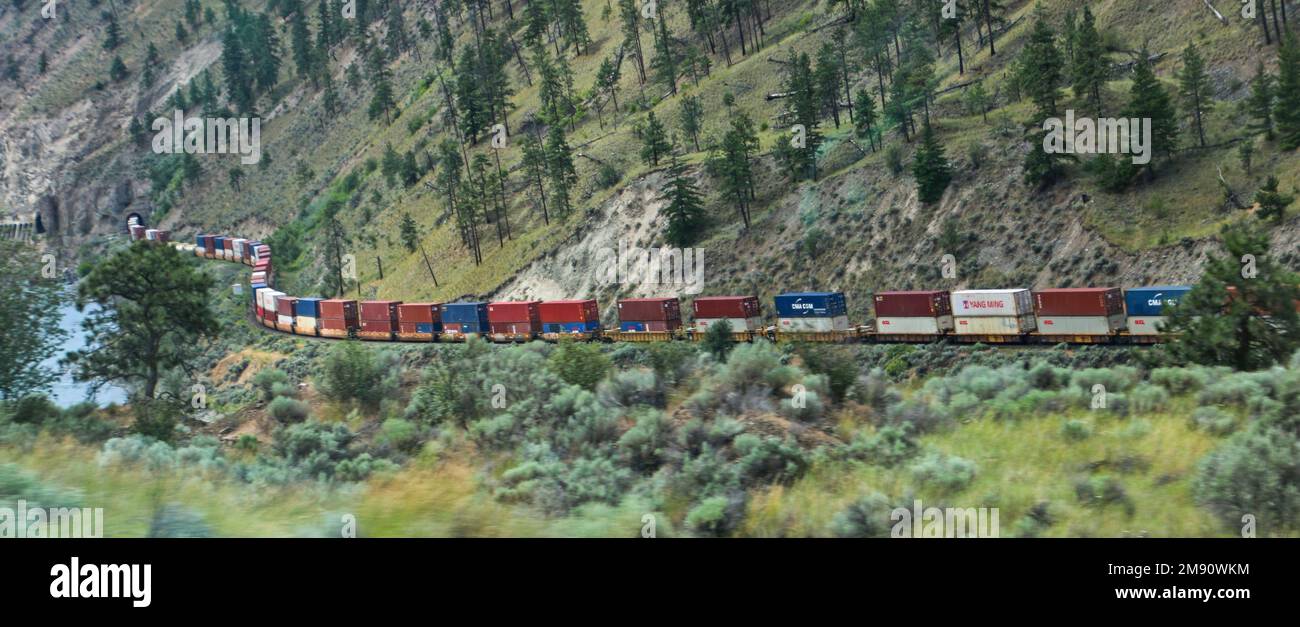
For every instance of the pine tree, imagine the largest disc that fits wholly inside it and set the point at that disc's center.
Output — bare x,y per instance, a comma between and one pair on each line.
181,35
685,208
381,99
630,14
654,141
931,169
42,63
1195,90
410,236
304,55
1090,68
1286,112
1040,69
731,163
692,114
112,34
559,169
801,150
826,78
534,164
1254,325
1259,105
264,53
864,117
117,71
1148,99
150,62
239,88
666,62
607,78
1272,203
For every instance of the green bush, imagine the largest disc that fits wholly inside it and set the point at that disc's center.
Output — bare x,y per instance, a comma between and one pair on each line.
889,446
1255,472
630,388
714,516
948,473
769,459
1148,399
645,445
286,410
351,372
1214,420
1075,430
267,379
718,339
177,521
580,364
1179,380
34,409
866,517
1102,491
401,435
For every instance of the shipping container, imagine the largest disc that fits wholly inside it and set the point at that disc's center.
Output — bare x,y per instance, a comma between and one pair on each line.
164,235
914,325
336,327
473,314
735,307
379,309
994,325
1144,325
812,325
464,327
561,311
338,308
1080,325
1079,301
649,309
919,304
430,313
737,324
198,239
284,305
811,305
238,249
1147,302
308,307
515,328
137,232
1002,303
657,326
571,327
377,329
304,325
415,330
515,311
283,321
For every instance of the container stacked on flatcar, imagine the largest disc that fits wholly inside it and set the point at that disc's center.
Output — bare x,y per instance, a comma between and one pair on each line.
993,315
137,232
907,314
306,313
514,320
461,319
649,315
269,314
419,322
572,317
237,249
1146,307
378,320
1084,314
740,312
811,312
284,311
338,318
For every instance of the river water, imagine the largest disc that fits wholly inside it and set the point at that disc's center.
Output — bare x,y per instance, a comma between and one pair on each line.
67,392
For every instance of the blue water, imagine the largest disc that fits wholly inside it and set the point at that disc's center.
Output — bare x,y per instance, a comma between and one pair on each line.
66,392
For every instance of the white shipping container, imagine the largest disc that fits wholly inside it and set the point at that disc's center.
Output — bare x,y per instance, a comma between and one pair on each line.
1015,302
994,325
305,323
1079,325
151,234
268,299
737,324
813,325
1144,325
284,320
909,325
239,249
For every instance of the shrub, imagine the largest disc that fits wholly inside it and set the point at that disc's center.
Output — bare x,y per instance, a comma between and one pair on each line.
580,364
919,416
805,406
836,364
630,388
157,418
402,435
1213,420
285,410
718,339
1234,389
266,379
643,446
713,516
866,517
350,372
1148,399
671,361
1179,380
948,473
1102,491
769,459
1253,472
1075,430
887,447
34,409
1116,379
873,390
177,521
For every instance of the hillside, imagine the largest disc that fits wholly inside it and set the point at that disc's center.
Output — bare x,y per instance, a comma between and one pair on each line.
66,155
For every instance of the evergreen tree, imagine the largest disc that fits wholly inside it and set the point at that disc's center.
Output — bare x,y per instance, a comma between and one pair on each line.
42,64
304,54
112,34
151,61
410,236
381,100
731,162
692,113
864,117
630,15
239,86
1286,113
800,151
685,209
931,168
264,53
1090,67
666,63
1259,105
28,333
117,71
826,78
1272,203
1040,69
607,77
1252,326
1195,90
534,164
654,141
182,36
559,169
1148,99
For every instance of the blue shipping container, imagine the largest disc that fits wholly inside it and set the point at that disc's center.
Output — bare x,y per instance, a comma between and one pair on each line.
1151,301
571,327
307,307
424,327
198,240
811,305
632,326
466,313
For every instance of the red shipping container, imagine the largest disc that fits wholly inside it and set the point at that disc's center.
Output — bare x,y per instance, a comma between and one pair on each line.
914,304
336,324
338,309
419,312
411,327
648,309
228,244
525,311
284,305
554,311
379,309
662,325
378,326
725,307
516,328
1079,301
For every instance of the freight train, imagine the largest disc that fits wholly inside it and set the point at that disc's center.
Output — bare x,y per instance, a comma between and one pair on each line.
1089,315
